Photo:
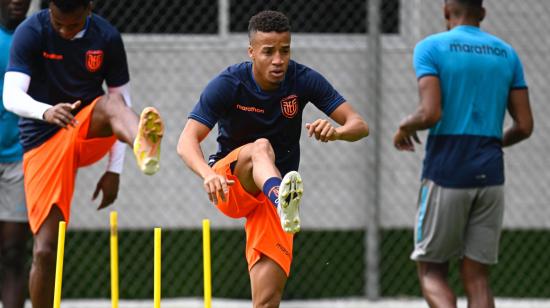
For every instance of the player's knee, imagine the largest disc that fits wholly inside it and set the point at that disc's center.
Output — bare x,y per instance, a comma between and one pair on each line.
44,255
262,146
101,109
108,105
474,272
269,299
13,258
116,99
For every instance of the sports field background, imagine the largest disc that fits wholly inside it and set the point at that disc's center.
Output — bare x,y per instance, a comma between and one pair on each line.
360,198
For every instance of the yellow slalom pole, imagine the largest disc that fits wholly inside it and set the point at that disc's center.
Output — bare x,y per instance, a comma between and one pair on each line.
206,263
114,260
157,270
59,264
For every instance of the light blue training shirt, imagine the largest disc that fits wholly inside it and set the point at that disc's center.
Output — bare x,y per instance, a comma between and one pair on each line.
477,71
10,148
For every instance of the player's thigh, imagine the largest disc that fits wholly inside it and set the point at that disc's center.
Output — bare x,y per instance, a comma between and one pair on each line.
485,225
12,193
45,238
441,217
255,164
242,169
106,107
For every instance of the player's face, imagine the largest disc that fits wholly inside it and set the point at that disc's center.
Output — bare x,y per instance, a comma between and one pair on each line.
67,25
13,12
270,54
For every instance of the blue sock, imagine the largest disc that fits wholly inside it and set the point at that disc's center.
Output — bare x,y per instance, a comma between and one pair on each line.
271,189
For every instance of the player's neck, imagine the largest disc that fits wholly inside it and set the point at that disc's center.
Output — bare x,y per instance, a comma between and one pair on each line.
7,25
464,21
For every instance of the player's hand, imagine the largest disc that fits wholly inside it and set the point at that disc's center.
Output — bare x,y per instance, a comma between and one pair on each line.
217,185
404,140
108,184
61,115
323,130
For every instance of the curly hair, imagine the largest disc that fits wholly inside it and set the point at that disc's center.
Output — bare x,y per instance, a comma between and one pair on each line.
268,21
69,6
470,3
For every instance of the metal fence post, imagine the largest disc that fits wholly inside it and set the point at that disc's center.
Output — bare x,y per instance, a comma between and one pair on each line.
223,18
374,79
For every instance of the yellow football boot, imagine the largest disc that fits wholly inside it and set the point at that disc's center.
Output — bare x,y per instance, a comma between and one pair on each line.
147,142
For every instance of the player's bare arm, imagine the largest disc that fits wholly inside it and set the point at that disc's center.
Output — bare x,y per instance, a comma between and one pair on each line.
352,126
426,115
191,153
520,111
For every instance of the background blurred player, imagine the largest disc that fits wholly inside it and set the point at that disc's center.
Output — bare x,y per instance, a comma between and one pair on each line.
14,229
59,59
258,107
466,79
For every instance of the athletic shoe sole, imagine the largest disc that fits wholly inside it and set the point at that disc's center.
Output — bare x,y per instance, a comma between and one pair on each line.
290,195
147,142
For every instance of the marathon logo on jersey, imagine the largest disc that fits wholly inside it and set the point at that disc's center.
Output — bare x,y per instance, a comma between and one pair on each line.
289,106
94,60
52,56
250,109
479,49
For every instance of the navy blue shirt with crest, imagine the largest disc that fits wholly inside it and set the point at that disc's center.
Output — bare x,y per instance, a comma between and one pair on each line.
64,71
245,113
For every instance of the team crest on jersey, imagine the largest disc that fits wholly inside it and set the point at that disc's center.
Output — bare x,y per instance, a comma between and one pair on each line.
289,106
94,60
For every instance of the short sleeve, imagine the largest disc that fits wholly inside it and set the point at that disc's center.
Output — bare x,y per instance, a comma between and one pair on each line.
116,64
321,93
518,81
424,60
213,101
25,49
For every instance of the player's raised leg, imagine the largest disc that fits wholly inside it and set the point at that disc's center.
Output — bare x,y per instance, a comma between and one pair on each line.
256,165
143,134
257,172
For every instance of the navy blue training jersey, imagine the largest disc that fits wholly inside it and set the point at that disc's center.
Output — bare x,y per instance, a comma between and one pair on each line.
245,113
64,71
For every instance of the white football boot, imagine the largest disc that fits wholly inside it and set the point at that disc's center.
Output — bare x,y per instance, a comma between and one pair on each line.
290,195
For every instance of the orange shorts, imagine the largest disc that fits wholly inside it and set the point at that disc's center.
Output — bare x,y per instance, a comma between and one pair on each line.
50,169
264,234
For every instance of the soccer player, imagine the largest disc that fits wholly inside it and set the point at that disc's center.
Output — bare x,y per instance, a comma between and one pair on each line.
14,228
258,107
467,78
59,59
